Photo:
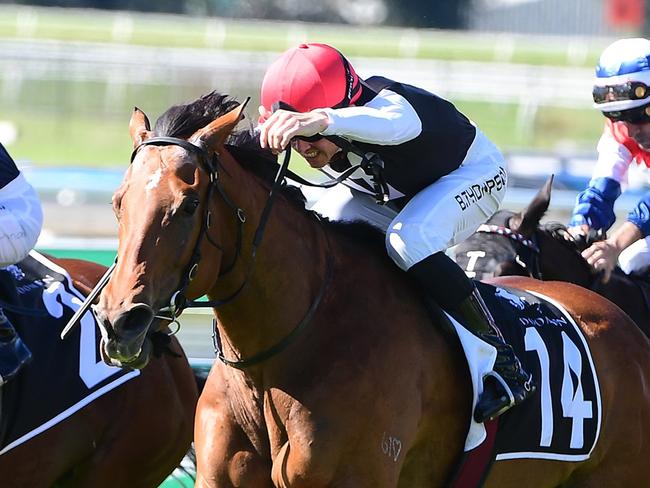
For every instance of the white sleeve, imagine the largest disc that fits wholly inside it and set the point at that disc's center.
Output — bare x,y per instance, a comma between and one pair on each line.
21,220
388,119
613,160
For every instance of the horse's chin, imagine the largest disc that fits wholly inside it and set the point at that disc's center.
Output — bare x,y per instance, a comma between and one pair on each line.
117,356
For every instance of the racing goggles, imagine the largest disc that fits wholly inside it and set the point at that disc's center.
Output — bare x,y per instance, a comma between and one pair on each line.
636,115
631,90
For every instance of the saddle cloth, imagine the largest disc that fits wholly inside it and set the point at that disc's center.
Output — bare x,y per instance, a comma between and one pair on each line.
64,375
561,421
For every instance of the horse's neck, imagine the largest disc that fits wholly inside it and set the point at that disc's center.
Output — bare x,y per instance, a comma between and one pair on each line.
283,280
368,306
559,263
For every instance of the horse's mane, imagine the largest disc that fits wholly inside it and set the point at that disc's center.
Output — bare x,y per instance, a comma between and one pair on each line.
183,120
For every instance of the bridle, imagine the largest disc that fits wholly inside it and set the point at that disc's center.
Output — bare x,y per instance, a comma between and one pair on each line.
526,251
178,302
210,164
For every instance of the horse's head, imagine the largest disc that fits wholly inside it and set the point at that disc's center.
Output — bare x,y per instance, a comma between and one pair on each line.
515,243
556,253
163,210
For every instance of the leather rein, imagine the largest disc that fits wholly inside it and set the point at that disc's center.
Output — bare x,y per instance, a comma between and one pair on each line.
179,301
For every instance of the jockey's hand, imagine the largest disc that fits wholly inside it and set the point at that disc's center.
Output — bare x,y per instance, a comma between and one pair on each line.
602,256
579,234
281,126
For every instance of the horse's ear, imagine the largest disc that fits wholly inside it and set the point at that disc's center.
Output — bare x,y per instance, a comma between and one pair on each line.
526,221
139,127
215,133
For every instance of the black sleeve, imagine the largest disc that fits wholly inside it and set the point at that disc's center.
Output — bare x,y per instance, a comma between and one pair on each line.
8,169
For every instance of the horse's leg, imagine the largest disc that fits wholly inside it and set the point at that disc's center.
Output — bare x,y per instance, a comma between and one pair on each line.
225,454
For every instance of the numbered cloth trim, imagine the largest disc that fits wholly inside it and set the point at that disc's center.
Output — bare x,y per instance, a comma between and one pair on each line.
64,376
562,420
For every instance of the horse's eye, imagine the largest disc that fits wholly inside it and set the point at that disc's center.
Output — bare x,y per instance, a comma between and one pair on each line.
190,205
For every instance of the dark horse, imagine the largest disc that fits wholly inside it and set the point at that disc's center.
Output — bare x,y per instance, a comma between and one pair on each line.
133,435
514,243
330,372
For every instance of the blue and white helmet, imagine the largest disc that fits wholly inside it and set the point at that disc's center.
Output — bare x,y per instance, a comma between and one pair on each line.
623,76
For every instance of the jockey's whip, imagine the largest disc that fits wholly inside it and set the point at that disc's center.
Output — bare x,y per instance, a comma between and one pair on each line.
88,301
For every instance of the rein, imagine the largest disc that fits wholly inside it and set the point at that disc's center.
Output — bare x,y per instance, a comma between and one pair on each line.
529,259
283,343
210,165
179,301
371,164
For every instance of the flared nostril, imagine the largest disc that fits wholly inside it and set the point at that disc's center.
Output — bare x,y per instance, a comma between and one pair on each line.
137,319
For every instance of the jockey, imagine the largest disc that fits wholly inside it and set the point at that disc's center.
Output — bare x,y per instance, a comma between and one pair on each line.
21,219
428,178
622,93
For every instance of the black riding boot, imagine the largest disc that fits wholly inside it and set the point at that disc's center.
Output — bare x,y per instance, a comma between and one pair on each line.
448,285
508,385
14,354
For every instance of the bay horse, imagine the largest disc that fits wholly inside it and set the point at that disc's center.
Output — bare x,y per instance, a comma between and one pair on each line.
133,435
330,371
515,243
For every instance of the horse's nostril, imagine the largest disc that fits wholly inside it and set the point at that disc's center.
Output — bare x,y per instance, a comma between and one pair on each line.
136,319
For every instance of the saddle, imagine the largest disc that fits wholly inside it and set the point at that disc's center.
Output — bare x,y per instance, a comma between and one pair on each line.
552,347
63,376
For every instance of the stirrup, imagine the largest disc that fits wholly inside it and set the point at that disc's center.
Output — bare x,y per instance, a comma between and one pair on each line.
502,399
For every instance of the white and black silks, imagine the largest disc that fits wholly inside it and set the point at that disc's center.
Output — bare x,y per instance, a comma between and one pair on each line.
21,215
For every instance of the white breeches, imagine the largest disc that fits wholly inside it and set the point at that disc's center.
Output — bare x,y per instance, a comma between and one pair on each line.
438,217
21,220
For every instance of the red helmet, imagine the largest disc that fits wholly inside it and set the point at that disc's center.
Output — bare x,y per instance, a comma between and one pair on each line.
311,76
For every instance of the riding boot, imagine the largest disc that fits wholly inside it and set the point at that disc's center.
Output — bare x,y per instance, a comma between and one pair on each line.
446,283
14,354
508,385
